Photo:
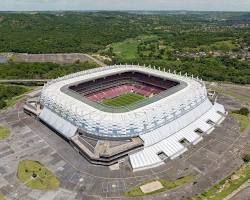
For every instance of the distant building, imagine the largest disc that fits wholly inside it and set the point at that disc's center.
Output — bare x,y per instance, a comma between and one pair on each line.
3,59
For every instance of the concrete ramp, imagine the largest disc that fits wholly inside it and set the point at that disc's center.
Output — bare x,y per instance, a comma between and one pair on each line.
55,121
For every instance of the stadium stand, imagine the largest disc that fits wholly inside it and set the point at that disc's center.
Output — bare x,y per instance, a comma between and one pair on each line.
164,125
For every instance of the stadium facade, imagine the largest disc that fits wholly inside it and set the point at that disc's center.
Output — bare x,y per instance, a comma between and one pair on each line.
173,113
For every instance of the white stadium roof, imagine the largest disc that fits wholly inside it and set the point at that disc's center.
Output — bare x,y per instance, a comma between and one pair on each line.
129,123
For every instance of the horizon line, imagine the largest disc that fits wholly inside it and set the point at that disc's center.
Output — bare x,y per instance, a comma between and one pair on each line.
120,10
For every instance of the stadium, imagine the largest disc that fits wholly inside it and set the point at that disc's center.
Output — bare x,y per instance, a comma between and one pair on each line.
142,114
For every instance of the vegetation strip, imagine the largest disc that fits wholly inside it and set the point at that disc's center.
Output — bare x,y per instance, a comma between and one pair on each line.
227,185
167,185
242,117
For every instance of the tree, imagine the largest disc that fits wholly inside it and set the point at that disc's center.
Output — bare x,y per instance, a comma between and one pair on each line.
244,111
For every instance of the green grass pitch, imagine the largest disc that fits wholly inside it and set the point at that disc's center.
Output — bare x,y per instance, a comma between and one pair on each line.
123,100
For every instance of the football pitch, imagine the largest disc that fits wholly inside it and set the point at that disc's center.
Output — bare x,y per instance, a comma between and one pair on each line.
123,100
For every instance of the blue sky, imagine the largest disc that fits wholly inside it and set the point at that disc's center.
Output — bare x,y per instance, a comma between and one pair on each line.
223,5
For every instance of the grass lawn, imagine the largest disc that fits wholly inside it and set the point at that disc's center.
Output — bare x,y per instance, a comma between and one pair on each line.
4,132
34,175
227,185
167,185
227,45
123,100
242,119
128,48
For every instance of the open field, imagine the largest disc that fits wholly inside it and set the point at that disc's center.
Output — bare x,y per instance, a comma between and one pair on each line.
128,49
240,93
123,100
36,176
226,45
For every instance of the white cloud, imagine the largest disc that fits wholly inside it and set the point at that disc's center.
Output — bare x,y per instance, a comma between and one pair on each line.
230,5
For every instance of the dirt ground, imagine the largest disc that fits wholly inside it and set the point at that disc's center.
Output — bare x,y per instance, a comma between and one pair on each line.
54,58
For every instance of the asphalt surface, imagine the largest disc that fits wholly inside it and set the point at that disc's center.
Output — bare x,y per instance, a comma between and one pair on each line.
217,156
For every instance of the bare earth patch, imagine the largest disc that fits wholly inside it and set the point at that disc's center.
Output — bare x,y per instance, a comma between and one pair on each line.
151,187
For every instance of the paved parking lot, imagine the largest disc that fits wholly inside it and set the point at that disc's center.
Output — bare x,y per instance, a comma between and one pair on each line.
209,161
61,58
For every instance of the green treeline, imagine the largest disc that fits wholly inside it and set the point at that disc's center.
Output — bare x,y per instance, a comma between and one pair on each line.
40,70
209,69
7,92
33,71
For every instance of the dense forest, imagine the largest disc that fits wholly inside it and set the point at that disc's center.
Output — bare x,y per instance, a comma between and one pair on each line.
89,32
209,69
213,45
65,32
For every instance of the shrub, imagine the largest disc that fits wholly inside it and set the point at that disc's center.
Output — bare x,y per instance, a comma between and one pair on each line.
246,158
242,111
7,92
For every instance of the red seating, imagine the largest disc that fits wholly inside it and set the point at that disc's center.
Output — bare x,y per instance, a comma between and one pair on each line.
119,90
